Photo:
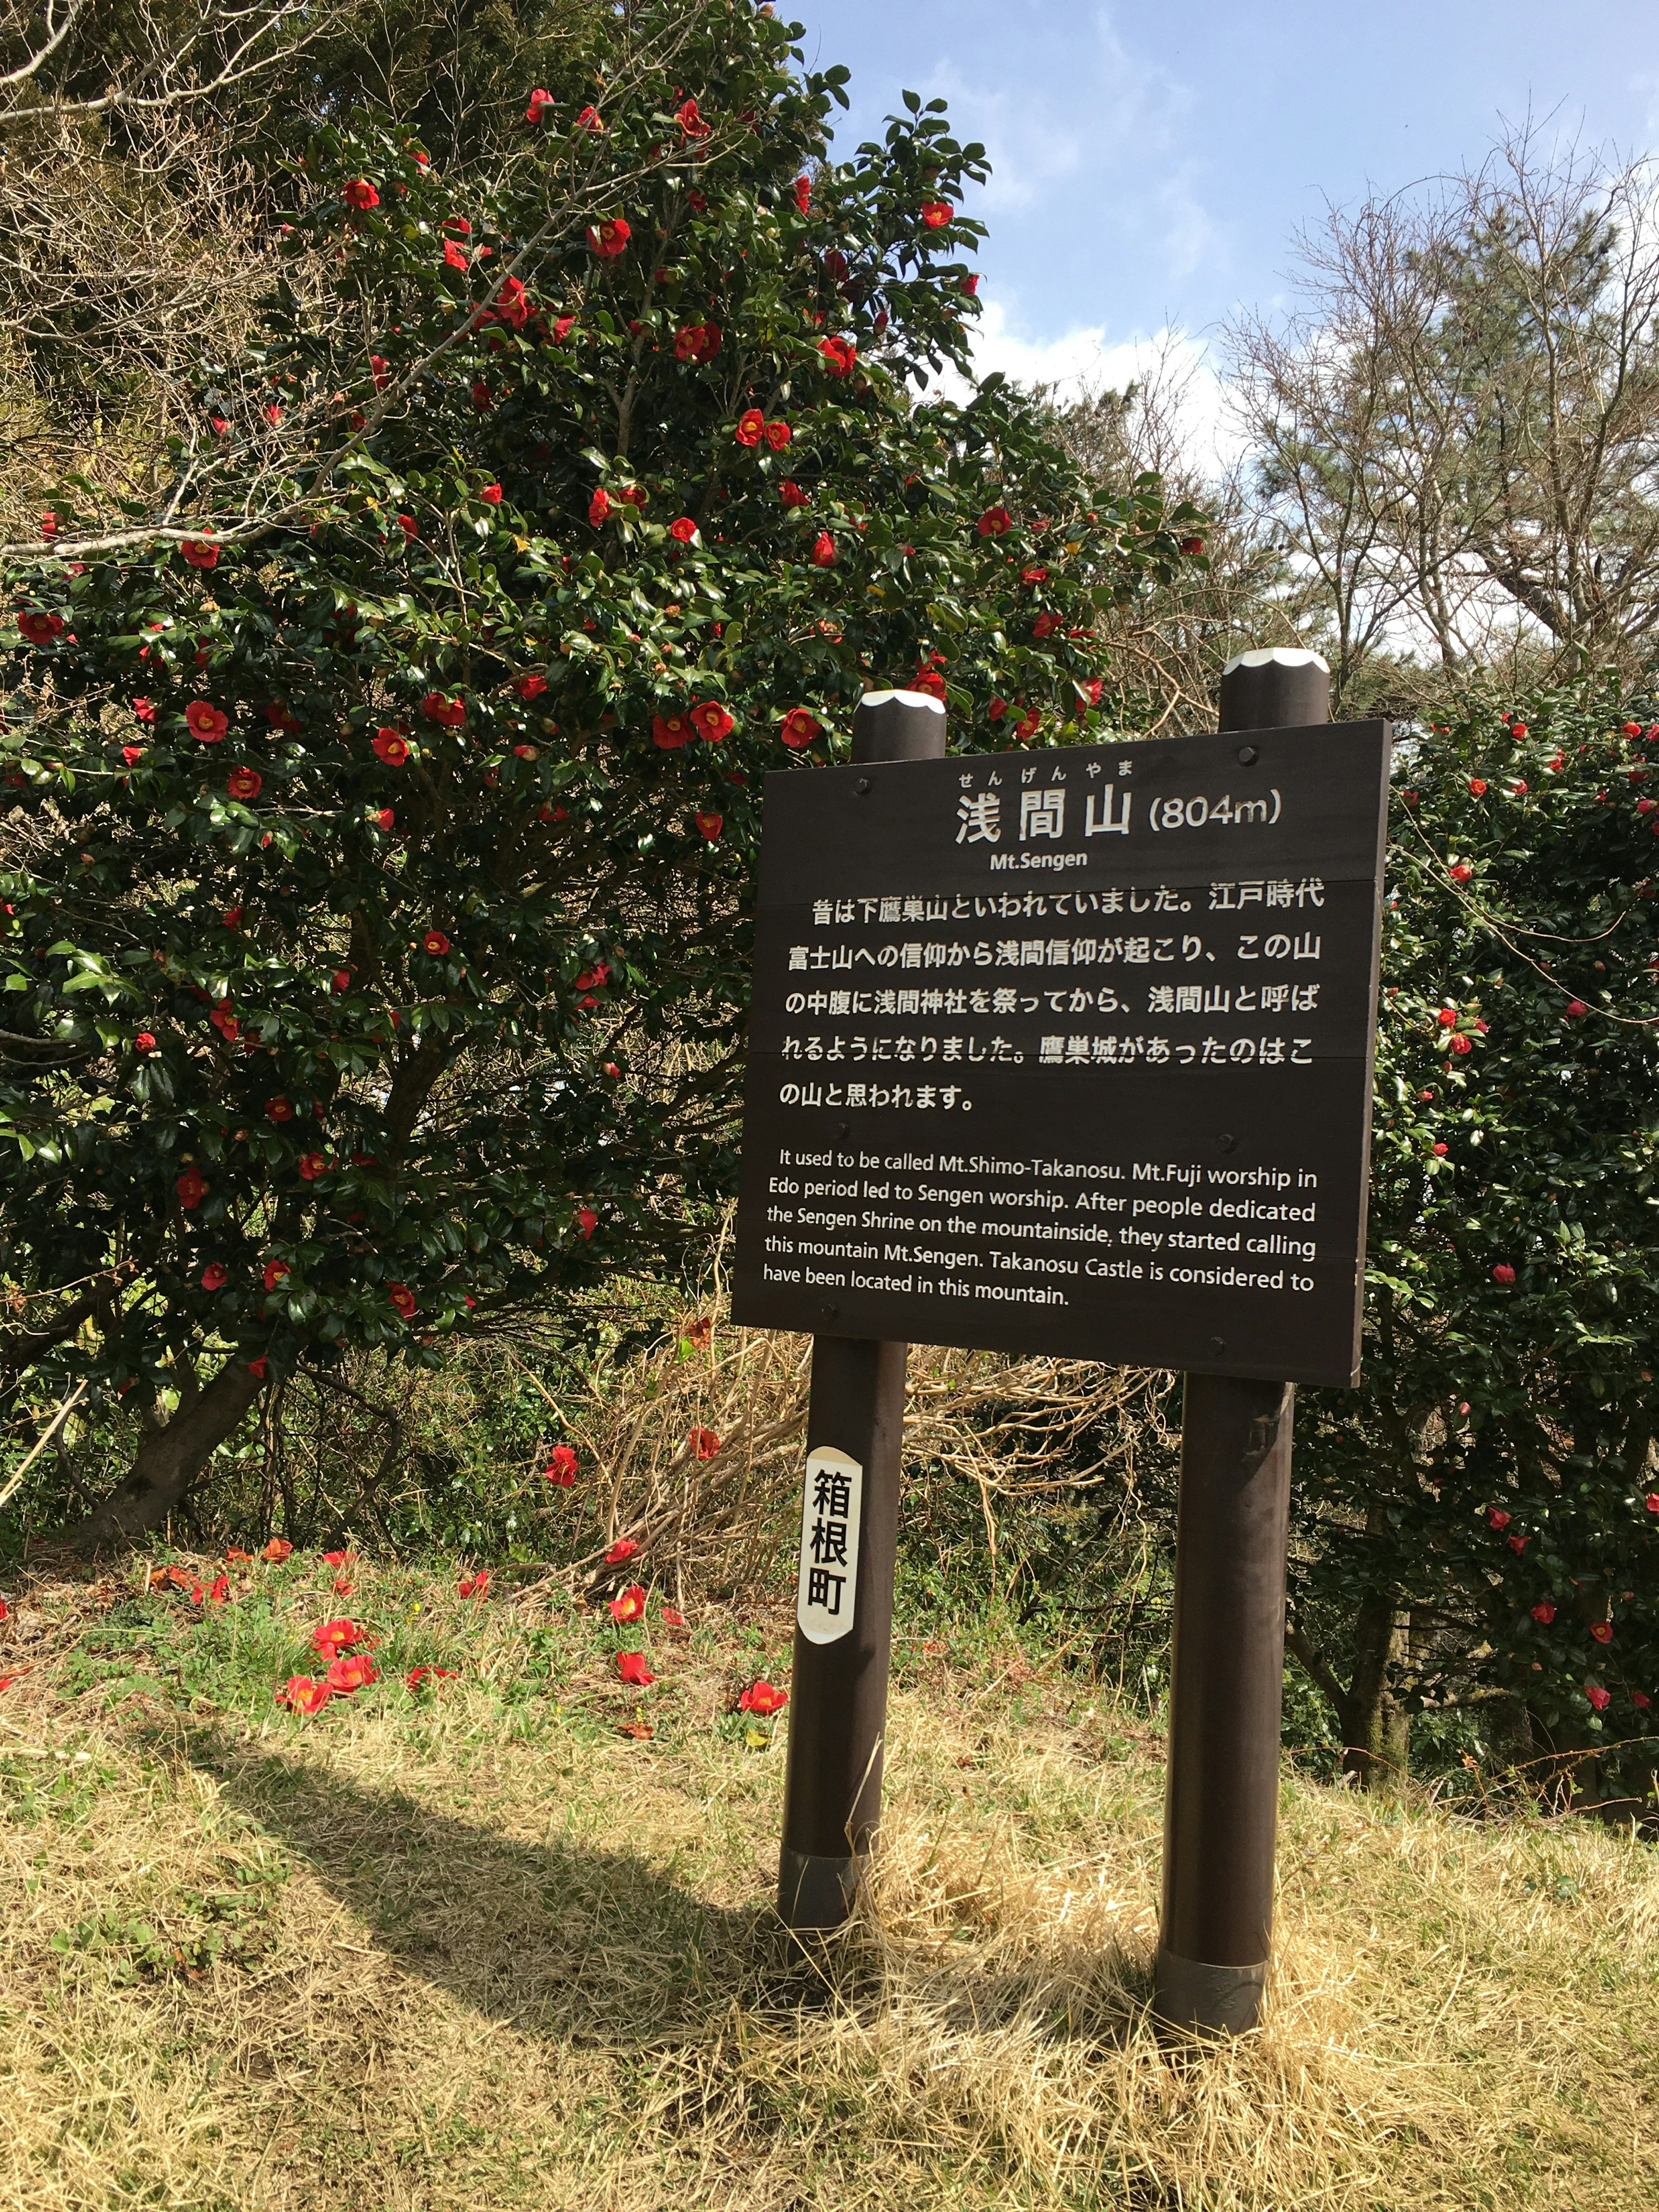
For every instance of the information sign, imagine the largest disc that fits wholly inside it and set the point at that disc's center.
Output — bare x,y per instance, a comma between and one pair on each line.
1071,1052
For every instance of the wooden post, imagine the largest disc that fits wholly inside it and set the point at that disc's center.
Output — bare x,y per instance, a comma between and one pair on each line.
1227,1665
850,1535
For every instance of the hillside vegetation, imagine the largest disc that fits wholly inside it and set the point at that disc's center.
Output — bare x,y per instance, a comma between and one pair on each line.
504,1939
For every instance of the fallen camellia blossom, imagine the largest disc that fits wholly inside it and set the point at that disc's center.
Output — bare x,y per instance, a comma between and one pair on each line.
417,1676
631,1666
302,1695
624,1548
277,1550
334,1636
474,1585
630,1605
762,1697
353,1674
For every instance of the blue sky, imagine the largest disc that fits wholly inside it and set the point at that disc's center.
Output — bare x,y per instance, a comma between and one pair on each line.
1152,158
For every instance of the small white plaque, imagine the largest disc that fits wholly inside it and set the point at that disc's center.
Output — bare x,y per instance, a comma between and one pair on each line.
829,1586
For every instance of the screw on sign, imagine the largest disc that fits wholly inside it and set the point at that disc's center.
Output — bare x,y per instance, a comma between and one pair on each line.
1070,1052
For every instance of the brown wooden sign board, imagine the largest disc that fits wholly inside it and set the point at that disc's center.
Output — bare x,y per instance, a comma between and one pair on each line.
1070,1052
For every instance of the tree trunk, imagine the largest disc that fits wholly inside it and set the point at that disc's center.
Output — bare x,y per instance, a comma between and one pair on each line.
1375,1727
169,1458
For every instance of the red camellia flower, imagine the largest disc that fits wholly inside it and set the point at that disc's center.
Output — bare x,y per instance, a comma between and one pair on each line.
313,1165
629,1605
778,436
381,369
598,507
586,1220
689,121
703,1443
929,681
275,1271
1496,1518
1478,786
1575,1009
436,944
589,120
40,629
244,783
1599,1698
710,825
823,551
802,189
1544,1611
531,686
683,530
760,1698
710,721
200,553
226,1023
450,713
936,213
1652,1501
144,709
492,493
1640,1699
386,818
361,194
798,728
540,102
561,1468
624,1548
1503,1273
698,342
840,355
791,494
670,730
192,1189
1440,1151
1044,624
390,746
1191,544
1518,1544
1518,788
214,1277
474,1585
403,1299
277,1550
994,522
334,1636
208,723
342,979
353,1674
1601,1631
302,1695
280,1109
144,1041
631,1666
1460,871
608,239
482,397
1027,725
752,427
1460,1044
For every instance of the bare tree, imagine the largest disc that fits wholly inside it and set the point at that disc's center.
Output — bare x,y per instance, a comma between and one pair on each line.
1169,648
1457,432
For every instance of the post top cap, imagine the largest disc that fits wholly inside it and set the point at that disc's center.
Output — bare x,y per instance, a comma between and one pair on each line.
904,699
1285,656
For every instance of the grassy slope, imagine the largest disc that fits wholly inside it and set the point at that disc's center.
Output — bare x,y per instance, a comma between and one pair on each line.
476,1947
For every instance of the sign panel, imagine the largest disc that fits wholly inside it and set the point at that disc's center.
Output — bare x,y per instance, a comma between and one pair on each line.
826,1594
1071,1052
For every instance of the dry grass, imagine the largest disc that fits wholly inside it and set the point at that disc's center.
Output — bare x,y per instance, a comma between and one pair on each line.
495,1954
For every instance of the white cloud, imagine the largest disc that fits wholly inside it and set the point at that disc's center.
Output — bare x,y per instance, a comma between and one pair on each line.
1083,359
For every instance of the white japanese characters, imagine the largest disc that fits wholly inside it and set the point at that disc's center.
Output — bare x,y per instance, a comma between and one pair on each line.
827,1591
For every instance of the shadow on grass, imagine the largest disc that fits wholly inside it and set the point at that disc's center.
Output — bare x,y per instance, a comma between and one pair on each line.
573,1940
593,1945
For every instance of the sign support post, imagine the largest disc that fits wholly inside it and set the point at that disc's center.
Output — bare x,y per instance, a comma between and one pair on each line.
855,1437
1221,1802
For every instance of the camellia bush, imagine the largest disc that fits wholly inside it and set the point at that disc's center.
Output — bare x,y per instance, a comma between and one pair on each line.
383,796
1481,1517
